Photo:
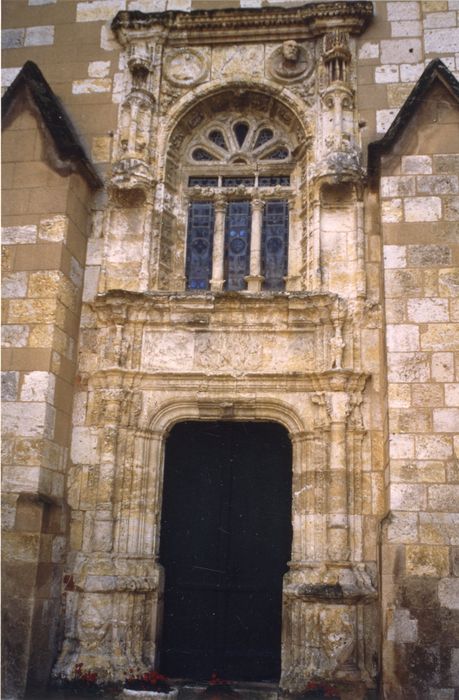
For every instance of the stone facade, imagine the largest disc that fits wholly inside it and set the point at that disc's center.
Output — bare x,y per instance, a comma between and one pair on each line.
353,349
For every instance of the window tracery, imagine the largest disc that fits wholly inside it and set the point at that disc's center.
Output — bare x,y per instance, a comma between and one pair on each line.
237,138
238,213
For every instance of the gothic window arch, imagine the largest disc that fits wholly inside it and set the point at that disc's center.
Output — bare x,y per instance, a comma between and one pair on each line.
233,171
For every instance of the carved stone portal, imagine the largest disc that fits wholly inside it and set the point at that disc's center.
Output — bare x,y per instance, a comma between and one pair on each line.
201,124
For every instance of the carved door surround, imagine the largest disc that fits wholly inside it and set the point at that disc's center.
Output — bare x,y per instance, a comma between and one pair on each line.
329,588
164,354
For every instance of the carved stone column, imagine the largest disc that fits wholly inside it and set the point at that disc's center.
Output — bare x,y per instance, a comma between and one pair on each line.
218,254
337,496
255,278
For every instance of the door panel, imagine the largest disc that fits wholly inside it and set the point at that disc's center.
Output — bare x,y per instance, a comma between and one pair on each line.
225,544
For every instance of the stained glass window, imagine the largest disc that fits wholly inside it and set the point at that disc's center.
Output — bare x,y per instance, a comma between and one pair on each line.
202,154
241,130
199,244
274,244
280,153
237,244
235,181
203,181
218,139
273,180
264,135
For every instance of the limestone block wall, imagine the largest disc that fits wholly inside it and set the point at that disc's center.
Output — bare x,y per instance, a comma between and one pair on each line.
420,584
45,218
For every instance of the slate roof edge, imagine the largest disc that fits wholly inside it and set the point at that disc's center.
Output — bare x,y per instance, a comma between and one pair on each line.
55,118
436,70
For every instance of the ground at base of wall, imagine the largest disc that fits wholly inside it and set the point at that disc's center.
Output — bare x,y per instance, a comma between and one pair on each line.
267,692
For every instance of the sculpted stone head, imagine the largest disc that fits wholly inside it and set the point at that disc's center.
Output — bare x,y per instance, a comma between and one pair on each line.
291,50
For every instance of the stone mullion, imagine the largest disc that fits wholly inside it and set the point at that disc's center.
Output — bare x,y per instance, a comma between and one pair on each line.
319,451
103,517
218,251
148,211
124,541
255,278
316,245
303,499
337,492
355,439
360,248
292,280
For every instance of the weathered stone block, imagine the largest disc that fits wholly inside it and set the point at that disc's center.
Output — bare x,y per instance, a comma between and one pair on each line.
404,283
411,497
439,528
436,336
84,446
452,394
401,446
402,338
403,528
428,310
392,212
422,208
428,255
441,40
14,285
10,381
415,165
448,282
97,10
39,36
443,498
437,184
406,10
427,560
397,186
15,336
401,51
446,420
408,367
406,28
394,255
30,423
402,627
14,235
387,74
443,366
38,386
91,85
399,395
54,228
448,593
433,446
427,395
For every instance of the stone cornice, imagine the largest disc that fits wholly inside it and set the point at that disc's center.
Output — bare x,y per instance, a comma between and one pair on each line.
237,25
201,309
332,380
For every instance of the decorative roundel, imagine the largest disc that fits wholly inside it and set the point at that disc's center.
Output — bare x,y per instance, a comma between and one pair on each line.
185,67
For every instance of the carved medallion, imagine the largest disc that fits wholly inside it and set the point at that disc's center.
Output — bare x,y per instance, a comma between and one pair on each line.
291,62
186,67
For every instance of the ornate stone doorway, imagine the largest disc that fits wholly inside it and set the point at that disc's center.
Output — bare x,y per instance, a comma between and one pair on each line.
225,545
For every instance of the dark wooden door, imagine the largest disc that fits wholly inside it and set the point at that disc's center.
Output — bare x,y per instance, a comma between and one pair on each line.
225,543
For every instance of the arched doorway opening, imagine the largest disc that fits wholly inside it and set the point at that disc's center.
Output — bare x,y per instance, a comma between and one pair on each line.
225,544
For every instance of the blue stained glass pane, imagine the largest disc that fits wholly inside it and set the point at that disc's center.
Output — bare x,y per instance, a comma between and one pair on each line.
199,245
237,244
274,244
